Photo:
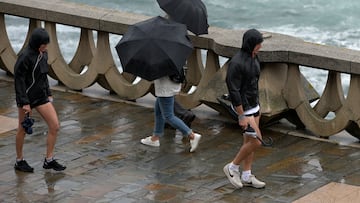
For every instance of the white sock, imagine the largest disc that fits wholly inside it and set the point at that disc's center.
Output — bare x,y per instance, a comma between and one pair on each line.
246,175
18,160
234,167
49,159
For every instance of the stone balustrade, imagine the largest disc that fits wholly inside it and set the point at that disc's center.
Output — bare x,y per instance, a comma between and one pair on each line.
284,91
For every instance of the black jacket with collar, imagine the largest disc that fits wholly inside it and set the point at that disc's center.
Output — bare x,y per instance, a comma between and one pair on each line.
243,73
31,69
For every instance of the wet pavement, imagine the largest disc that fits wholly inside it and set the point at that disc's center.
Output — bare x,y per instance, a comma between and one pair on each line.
99,142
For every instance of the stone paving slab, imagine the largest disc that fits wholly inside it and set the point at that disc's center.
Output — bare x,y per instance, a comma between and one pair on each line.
333,192
99,141
7,124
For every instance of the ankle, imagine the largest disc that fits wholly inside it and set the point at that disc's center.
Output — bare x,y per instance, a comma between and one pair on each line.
17,160
191,136
154,138
234,167
49,159
246,175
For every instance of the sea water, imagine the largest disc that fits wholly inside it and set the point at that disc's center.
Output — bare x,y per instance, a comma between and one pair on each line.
329,22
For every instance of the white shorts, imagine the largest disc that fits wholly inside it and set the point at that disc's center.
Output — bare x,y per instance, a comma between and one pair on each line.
248,112
252,110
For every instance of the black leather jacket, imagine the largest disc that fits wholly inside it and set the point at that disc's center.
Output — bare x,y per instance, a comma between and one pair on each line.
243,73
31,68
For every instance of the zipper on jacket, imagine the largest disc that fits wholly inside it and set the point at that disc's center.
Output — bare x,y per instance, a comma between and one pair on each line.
33,72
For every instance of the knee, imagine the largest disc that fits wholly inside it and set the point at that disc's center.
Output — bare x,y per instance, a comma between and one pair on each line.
168,117
54,128
57,127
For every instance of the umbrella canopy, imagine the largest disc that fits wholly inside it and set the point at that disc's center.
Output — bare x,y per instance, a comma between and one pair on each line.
192,13
154,48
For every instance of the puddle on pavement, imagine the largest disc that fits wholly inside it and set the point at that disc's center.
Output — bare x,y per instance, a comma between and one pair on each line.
162,192
52,178
308,176
284,163
316,163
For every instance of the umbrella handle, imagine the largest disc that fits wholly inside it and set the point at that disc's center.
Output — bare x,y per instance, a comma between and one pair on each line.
268,143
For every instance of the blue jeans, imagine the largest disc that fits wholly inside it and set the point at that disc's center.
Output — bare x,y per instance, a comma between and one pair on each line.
164,112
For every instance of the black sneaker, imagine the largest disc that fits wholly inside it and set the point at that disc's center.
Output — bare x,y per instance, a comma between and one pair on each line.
23,166
53,165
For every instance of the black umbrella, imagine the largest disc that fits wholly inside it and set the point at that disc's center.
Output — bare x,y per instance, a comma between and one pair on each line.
192,13
154,48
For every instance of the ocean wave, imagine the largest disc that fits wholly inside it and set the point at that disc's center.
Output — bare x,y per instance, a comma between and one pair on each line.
345,38
222,4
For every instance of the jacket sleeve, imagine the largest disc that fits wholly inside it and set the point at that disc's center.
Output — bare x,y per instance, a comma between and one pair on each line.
233,82
20,86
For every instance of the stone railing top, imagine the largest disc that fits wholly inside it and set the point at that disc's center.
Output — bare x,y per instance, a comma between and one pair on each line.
277,48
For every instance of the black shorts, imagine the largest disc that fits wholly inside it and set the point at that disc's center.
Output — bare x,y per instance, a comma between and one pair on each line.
39,102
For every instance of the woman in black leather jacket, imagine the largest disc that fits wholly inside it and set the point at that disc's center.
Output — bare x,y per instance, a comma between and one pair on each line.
32,92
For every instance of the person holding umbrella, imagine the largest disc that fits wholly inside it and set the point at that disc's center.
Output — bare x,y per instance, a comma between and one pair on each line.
193,14
242,83
165,91
156,50
32,92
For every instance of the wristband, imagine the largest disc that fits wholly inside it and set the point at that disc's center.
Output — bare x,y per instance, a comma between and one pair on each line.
240,117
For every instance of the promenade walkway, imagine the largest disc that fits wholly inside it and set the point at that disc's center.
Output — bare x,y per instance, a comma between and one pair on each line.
99,142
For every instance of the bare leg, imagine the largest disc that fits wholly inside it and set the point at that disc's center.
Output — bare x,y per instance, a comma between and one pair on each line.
47,111
246,152
247,149
20,135
250,158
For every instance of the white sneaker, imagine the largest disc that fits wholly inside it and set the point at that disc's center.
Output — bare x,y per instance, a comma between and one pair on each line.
253,182
233,176
194,142
148,141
